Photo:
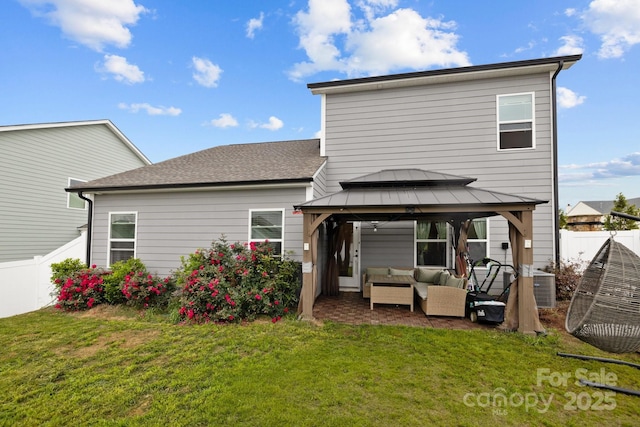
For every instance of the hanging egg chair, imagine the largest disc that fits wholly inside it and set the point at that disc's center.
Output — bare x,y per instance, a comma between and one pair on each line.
605,308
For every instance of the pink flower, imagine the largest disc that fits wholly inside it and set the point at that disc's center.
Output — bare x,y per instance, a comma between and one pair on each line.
190,314
276,302
258,297
90,302
231,317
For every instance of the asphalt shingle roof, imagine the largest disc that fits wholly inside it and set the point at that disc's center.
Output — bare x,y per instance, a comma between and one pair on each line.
605,206
283,161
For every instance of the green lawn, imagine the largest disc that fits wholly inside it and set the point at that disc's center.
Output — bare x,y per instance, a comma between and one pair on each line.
115,367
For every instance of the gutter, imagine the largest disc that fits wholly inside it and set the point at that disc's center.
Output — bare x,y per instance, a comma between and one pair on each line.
89,226
556,197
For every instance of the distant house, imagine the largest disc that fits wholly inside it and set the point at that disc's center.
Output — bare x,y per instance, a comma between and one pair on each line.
490,127
590,215
38,162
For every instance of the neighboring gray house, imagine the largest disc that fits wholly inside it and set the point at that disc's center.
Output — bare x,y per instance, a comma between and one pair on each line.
493,123
38,162
590,215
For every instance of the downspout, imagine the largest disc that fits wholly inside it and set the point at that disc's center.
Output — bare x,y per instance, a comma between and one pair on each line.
89,226
556,198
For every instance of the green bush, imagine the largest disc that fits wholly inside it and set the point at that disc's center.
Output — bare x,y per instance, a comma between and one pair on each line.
63,269
114,282
232,282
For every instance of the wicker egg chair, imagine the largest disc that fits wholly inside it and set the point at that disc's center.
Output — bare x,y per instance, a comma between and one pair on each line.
605,308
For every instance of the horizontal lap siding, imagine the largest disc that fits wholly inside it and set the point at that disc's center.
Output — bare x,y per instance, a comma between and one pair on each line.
448,128
35,166
171,225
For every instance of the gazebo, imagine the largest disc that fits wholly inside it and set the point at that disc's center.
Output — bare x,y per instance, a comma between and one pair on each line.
413,194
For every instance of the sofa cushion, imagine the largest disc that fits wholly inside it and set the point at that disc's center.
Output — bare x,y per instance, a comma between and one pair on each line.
401,272
442,279
377,270
421,289
427,275
455,282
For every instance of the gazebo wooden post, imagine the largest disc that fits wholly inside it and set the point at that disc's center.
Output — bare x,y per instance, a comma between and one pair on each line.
307,268
310,224
527,310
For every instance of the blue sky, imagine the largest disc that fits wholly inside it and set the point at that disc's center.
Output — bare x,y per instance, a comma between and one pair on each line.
181,76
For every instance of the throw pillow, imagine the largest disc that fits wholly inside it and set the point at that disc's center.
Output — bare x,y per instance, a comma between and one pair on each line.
427,275
377,270
400,272
455,282
444,275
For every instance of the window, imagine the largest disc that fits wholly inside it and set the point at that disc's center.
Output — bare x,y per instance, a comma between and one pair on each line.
122,236
431,243
477,240
267,225
73,200
515,121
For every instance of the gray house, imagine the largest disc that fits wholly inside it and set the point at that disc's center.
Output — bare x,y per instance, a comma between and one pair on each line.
490,126
38,162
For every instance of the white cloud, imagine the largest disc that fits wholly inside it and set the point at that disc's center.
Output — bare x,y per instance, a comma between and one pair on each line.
570,12
273,124
122,71
207,74
572,45
151,110
254,24
224,121
93,23
628,166
568,98
617,22
334,39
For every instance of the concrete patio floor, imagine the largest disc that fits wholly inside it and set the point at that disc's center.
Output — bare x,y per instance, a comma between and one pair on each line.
351,308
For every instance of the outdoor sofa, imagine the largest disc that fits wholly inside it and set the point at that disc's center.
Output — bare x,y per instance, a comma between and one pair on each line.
437,291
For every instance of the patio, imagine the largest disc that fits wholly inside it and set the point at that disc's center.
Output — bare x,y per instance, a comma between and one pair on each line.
351,308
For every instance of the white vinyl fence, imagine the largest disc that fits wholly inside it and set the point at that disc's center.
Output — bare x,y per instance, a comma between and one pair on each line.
26,285
582,246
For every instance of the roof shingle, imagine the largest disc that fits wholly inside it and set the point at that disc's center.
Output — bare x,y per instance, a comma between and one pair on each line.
265,162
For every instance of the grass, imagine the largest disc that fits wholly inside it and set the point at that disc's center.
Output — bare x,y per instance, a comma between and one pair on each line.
112,367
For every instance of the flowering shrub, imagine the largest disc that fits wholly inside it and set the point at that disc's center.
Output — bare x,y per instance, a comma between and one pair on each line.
231,282
144,290
114,282
81,289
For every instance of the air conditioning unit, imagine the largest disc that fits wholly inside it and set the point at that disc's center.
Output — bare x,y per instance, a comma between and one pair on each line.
544,288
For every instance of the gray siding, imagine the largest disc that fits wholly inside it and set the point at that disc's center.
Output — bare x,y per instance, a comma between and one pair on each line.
34,169
320,183
447,128
174,224
390,246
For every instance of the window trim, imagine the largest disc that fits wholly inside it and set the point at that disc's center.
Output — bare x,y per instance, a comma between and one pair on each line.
281,240
71,194
532,121
135,234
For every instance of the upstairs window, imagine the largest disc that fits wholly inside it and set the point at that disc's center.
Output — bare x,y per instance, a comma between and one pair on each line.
267,226
122,236
515,121
73,200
